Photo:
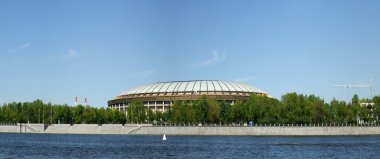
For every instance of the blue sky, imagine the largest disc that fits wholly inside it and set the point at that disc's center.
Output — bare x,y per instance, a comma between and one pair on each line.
56,50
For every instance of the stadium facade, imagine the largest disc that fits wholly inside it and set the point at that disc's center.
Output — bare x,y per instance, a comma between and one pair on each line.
161,95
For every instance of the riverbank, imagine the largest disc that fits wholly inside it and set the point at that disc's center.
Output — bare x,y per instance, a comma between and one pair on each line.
147,129
259,131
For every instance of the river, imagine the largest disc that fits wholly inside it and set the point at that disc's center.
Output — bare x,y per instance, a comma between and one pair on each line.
125,146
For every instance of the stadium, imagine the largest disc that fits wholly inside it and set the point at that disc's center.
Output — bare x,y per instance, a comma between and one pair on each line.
161,95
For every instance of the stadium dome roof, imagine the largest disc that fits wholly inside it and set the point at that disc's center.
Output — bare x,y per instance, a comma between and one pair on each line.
193,86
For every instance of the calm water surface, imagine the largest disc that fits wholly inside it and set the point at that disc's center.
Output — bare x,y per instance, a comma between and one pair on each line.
123,146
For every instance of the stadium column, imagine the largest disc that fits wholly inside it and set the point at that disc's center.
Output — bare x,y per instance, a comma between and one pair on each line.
124,105
155,106
119,106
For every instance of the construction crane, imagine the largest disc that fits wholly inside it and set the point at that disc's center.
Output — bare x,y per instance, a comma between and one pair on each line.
370,85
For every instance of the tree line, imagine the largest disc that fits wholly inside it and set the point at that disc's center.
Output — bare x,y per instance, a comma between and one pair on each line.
293,108
39,112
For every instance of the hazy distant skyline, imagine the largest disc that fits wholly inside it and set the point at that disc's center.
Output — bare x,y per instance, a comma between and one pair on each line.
57,50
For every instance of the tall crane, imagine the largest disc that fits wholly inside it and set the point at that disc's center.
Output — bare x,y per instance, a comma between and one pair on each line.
370,85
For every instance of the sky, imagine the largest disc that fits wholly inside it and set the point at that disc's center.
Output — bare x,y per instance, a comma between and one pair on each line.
96,49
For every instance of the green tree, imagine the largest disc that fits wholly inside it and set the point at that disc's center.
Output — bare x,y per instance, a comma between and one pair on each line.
355,100
137,112
89,115
101,116
225,112
376,101
317,109
158,116
178,116
109,116
119,117
213,111
238,113
78,116
201,107
151,116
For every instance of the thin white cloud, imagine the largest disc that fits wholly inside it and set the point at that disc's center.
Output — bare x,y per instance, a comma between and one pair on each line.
71,54
19,48
217,57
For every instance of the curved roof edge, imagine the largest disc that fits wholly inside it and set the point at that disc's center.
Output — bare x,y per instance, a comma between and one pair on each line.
193,86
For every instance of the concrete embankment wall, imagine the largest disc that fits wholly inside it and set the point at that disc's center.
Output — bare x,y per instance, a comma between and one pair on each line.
22,128
92,128
258,131
9,128
71,129
135,129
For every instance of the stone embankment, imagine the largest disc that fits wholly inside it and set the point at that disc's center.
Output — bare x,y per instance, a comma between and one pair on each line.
22,128
147,129
259,131
93,128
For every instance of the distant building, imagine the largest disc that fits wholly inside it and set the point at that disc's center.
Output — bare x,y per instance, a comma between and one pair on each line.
161,95
370,107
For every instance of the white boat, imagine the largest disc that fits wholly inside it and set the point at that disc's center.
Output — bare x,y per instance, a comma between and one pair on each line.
164,137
